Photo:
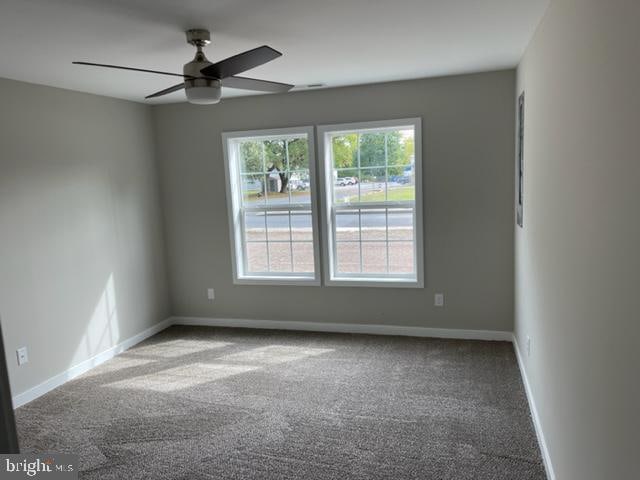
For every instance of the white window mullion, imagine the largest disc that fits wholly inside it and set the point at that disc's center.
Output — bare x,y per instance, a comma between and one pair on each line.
386,167
360,237
386,198
266,239
359,170
243,234
287,168
334,234
386,236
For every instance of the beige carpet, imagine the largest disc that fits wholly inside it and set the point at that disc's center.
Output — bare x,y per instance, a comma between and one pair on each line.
203,403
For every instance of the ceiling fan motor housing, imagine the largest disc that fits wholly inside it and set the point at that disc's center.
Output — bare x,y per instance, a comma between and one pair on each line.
204,91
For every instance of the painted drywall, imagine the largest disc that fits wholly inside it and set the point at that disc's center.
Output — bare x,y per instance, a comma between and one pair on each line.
468,169
577,261
81,249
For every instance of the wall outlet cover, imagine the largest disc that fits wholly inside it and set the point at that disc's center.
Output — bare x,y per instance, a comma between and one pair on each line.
23,355
211,294
439,300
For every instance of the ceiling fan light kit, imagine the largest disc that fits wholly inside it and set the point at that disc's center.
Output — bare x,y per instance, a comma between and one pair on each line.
200,91
203,80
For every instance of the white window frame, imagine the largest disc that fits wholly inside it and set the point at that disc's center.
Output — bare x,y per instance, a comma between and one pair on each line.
328,210
235,210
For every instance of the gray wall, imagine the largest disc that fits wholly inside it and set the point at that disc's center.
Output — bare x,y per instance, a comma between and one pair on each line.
81,249
577,258
468,179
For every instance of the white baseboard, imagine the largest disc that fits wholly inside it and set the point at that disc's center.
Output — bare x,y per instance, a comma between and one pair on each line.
546,458
346,328
79,369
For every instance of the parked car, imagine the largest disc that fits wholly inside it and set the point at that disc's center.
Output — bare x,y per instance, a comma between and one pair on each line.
402,179
344,181
251,185
299,185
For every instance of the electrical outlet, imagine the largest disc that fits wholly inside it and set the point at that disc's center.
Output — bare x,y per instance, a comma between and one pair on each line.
23,355
528,346
211,294
439,300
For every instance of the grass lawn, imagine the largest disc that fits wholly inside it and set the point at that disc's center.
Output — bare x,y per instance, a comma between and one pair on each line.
255,194
397,194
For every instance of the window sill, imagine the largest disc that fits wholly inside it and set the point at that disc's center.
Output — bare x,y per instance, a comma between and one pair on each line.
374,282
275,280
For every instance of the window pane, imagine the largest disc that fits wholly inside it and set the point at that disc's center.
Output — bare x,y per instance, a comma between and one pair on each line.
299,185
303,257
372,185
401,187
374,257
372,150
254,227
345,188
276,191
280,257
347,225
401,257
256,257
278,227
275,156
400,224
298,149
251,156
374,224
400,151
348,257
301,226
345,152
252,186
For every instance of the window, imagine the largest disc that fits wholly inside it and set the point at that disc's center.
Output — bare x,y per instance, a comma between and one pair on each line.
272,208
519,162
372,215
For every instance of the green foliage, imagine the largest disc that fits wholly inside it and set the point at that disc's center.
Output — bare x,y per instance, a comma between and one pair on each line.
397,194
251,157
274,155
345,151
299,154
399,150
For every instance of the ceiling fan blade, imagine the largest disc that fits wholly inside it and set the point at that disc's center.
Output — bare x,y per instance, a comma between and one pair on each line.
245,83
132,69
241,62
166,91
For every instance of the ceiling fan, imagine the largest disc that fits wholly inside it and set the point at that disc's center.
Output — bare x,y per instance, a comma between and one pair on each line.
203,80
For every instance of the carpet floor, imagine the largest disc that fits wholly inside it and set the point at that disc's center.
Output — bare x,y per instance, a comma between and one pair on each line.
216,403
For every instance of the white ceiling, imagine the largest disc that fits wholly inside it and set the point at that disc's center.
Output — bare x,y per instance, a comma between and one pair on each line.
334,42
